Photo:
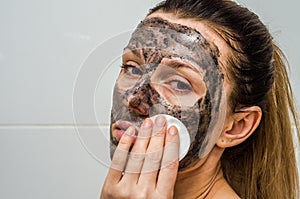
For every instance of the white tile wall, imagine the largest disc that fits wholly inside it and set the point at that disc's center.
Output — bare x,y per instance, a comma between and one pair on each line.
48,48
47,162
42,46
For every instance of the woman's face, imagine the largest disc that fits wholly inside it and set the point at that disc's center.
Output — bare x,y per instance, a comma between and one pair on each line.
171,68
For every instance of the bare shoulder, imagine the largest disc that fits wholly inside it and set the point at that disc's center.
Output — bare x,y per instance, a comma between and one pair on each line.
222,190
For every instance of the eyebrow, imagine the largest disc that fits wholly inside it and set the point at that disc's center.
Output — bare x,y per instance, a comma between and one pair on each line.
136,52
177,64
172,63
134,55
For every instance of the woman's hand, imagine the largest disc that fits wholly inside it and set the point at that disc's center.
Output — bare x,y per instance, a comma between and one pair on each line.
151,168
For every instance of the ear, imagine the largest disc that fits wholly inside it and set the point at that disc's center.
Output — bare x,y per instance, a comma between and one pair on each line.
239,127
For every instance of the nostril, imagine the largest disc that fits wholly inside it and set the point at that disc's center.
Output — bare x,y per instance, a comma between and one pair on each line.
135,102
142,109
138,106
140,100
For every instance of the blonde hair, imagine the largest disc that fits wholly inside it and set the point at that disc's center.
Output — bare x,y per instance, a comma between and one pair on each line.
266,167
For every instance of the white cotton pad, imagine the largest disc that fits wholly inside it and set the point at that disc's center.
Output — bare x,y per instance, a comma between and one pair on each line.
184,135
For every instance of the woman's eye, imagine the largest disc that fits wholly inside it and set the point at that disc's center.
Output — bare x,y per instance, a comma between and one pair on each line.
136,71
180,86
132,70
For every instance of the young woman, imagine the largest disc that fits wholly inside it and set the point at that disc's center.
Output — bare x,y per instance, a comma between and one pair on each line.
181,61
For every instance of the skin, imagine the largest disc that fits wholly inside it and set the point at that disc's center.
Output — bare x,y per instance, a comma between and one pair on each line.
171,69
204,178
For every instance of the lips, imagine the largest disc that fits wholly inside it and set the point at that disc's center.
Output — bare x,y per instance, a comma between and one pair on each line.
119,127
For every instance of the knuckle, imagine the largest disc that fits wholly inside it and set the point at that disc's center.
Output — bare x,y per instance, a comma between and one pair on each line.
155,156
137,157
124,141
172,165
160,133
144,134
108,191
119,154
155,147
118,160
142,194
123,193
152,162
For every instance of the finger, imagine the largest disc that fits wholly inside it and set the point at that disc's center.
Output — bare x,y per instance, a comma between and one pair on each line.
120,156
137,154
154,152
169,166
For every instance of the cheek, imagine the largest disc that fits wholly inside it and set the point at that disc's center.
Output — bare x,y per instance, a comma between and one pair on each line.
119,104
197,120
118,96
124,82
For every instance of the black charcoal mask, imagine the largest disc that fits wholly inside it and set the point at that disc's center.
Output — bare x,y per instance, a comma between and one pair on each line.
162,63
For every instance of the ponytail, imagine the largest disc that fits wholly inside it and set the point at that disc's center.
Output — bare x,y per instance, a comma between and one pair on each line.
266,162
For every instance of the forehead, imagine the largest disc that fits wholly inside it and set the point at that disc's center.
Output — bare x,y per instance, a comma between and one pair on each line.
156,38
208,31
212,36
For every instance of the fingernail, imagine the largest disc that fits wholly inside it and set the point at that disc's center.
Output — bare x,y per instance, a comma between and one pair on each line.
147,123
130,131
160,121
172,130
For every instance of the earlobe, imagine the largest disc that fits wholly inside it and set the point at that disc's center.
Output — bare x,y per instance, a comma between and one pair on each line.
240,127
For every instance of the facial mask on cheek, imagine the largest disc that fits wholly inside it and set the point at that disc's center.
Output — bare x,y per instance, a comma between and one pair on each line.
162,80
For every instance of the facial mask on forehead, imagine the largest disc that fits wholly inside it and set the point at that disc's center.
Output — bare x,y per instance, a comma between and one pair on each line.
171,69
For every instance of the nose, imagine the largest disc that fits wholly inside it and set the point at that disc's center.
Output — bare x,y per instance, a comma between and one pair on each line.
140,100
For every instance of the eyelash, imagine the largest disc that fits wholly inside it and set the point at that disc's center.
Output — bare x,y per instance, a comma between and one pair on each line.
126,66
188,88
181,91
175,82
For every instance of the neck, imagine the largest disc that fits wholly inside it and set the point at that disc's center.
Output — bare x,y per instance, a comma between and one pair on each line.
199,181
